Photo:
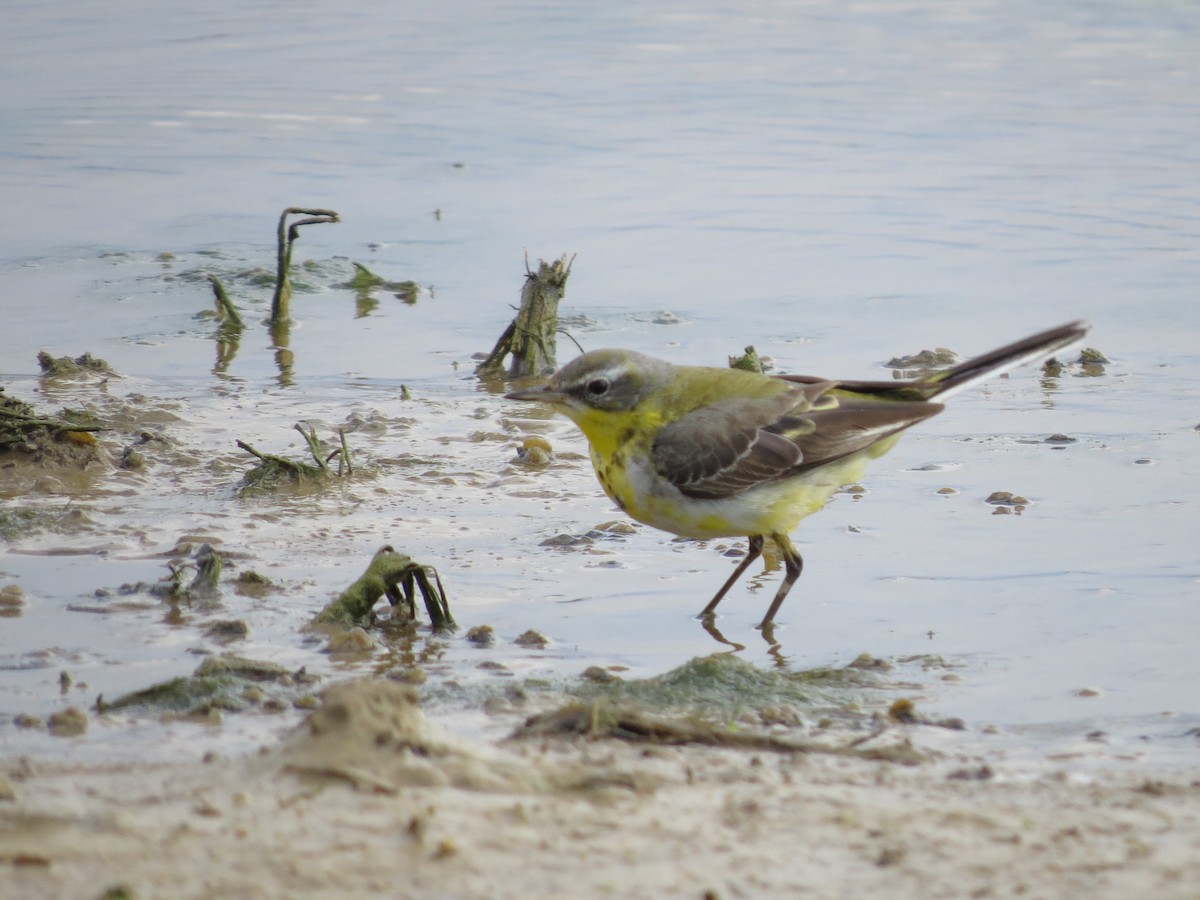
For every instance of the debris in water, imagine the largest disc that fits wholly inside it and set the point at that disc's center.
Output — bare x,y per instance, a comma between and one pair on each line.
531,338
397,576
273,470
748,361
286,240
926,362
70,722
65,366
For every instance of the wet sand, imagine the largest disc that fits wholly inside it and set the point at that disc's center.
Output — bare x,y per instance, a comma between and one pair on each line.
367,799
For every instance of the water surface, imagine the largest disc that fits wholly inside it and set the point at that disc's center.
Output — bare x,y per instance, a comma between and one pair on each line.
835,183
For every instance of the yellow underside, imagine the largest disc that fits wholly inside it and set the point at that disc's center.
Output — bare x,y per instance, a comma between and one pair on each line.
770,509
773,508
622,465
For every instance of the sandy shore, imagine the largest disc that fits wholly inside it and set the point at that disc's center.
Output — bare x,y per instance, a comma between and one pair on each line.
368,799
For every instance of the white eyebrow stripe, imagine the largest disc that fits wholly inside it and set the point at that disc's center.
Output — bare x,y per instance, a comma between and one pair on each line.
611,374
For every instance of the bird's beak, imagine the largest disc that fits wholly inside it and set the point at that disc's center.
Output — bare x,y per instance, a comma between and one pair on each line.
543,394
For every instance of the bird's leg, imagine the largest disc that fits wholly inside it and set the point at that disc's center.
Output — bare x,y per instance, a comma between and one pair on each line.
793,563
756,546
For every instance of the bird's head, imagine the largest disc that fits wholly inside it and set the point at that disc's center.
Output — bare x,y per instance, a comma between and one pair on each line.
601,384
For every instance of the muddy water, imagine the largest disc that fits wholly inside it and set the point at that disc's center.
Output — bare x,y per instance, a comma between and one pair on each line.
836,184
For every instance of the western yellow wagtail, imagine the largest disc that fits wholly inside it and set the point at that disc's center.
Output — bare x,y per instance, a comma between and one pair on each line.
708,452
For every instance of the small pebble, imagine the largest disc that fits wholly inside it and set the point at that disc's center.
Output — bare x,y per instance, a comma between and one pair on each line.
482,635
11,597
411,675
69,722
356,640
531,638
616,526
535,452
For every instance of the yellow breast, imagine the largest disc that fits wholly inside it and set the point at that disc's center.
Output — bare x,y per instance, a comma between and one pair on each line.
621,444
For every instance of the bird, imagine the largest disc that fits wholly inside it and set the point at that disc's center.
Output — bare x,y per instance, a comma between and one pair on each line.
705,452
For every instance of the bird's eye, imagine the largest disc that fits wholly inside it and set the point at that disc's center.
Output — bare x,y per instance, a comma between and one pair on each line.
597,387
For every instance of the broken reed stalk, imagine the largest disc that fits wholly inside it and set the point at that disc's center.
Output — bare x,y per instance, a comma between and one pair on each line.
297,469
286,237
343,455
314,446
20,420
226,312
531,337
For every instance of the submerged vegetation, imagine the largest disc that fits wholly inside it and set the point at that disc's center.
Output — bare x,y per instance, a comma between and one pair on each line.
219,684
365,281
24,429
272,471
66,367
37,448
725,688
724,701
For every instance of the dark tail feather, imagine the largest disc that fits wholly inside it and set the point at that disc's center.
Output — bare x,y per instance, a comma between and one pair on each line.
1031,349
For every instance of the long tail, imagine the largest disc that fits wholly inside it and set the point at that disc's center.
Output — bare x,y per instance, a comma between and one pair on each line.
1031,349
950,381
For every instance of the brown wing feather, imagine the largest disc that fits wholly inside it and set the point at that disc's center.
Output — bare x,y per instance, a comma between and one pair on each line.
855,425
726,447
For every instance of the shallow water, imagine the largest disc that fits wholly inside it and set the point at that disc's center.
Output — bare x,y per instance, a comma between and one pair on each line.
835,183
